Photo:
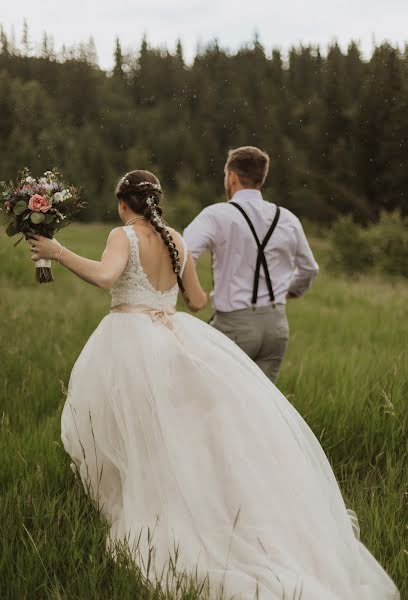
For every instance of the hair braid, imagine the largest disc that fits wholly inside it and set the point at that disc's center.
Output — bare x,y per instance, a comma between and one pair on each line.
153,213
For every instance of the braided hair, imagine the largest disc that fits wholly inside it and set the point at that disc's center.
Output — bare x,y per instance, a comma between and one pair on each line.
142,192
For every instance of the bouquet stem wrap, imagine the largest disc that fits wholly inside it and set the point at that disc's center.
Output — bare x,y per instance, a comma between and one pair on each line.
43,271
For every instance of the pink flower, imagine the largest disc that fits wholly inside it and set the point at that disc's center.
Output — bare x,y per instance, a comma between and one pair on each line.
38,203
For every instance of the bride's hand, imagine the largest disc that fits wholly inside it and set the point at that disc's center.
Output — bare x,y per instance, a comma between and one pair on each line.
43,247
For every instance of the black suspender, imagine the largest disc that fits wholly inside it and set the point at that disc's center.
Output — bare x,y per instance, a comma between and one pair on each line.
261,255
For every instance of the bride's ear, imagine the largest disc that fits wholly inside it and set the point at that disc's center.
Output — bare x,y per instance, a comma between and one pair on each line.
122,206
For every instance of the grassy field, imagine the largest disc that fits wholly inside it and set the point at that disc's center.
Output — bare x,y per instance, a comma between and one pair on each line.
346,371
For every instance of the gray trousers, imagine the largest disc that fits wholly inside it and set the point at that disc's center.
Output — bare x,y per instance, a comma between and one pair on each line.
262,333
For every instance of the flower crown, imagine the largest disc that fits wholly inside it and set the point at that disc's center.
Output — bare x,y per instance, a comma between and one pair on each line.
154,186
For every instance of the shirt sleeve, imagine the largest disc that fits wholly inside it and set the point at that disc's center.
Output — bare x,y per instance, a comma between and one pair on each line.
200,234
306,267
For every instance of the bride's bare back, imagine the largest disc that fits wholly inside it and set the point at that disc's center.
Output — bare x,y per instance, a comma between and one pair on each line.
154,256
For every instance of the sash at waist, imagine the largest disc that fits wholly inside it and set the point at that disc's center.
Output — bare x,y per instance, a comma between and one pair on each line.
162,314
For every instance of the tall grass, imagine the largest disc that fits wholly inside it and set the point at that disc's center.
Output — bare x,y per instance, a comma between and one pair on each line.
346,371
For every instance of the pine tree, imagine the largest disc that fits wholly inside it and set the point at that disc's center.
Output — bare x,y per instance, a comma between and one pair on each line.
180,53
334,121
25,40
45,50
118,58
382,130
355,69
4,43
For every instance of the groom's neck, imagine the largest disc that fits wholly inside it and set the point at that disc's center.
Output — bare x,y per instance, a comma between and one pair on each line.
239,188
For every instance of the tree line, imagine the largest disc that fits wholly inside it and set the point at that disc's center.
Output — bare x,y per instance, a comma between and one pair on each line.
335,124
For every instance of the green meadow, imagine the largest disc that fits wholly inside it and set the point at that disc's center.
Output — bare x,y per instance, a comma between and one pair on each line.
346,372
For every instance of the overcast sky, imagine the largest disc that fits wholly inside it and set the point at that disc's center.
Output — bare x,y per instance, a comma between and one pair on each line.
232,22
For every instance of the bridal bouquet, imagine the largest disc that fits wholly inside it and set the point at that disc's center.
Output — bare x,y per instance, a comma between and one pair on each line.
41,206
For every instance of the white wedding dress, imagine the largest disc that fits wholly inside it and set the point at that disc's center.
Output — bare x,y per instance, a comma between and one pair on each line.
184,442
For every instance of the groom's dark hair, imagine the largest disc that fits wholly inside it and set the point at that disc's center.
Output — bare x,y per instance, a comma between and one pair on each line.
250,164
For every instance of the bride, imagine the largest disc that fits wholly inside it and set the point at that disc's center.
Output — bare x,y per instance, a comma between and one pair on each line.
185,444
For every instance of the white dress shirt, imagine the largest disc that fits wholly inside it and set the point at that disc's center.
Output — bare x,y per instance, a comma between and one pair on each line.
222,229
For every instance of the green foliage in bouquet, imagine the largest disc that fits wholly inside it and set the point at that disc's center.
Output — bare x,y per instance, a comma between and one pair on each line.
41,206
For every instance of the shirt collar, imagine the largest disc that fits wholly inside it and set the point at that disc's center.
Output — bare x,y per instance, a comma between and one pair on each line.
247,194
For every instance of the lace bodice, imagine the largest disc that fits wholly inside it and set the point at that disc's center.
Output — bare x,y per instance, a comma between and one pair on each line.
133,286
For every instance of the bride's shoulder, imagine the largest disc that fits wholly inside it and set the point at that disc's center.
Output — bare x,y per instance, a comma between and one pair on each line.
118,236
176,234
178,239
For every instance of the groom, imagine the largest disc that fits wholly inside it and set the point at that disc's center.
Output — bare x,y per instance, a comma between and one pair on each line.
261,257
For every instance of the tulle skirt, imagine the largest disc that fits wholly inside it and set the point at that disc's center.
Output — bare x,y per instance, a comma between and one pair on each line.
194,456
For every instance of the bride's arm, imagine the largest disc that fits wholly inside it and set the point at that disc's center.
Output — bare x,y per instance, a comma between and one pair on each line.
196,298
103,273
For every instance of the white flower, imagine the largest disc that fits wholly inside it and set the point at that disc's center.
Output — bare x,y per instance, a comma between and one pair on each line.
30,180
66,194
42,180
57,197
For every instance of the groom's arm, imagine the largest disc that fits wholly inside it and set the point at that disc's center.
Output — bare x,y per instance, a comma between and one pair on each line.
200,234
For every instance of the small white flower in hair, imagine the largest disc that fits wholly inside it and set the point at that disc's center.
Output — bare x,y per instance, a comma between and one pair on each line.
155,186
